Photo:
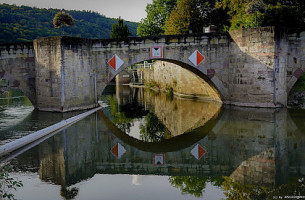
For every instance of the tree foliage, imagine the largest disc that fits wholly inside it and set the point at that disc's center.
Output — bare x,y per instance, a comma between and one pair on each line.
24,24
62,19
120,30
157,13
235,190
153,130
194,185
180,19
194,15
282,13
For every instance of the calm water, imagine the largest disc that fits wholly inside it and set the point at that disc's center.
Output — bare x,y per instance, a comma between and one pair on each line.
149,146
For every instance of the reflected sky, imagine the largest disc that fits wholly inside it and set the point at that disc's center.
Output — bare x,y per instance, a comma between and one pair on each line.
103,186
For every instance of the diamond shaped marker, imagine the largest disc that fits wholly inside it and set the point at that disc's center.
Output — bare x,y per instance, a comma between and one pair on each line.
198,151
196,58
118,150
115,62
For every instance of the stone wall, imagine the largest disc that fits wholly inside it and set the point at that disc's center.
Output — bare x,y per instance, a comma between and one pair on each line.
251,68
79,81
17,67
123,78
291,59
167,75
48,74
64,76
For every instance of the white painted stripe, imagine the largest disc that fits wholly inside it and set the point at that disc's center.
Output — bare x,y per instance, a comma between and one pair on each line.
118,62
16,144
193,58
194,152
121,150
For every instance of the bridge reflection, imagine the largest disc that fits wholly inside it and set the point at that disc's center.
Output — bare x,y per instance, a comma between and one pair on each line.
254,146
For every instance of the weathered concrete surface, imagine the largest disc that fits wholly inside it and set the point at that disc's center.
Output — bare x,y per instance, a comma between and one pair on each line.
123,78
17,66
167,75
250,67
65,78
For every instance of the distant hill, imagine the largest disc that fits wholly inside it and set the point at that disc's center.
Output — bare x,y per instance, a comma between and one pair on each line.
23,24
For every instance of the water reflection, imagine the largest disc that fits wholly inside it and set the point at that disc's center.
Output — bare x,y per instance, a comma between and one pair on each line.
152,116
252,153
254,147
18,117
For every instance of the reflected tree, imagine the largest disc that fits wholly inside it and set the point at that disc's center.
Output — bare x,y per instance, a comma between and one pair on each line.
234,189
194,185
119,118
153,130
68,193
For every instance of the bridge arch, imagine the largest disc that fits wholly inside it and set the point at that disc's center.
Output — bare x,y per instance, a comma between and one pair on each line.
215,85
297,73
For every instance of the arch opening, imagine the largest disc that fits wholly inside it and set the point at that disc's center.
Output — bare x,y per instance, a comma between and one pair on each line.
185,80
296,95
153,115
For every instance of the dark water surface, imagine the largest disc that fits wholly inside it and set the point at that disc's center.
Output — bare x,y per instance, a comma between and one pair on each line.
145,145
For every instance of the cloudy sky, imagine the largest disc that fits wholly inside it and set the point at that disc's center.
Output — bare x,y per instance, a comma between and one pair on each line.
130,10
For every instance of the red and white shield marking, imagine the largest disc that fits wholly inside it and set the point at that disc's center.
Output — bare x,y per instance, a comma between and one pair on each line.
118,150
115,62
159,159
156,52
196,58
198,151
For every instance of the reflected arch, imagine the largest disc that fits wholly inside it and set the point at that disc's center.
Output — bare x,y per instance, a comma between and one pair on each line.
170,145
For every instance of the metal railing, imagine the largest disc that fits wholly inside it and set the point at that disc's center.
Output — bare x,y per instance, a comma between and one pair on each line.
144,65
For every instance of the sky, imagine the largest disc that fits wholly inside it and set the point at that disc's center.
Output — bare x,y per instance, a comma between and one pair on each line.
129,10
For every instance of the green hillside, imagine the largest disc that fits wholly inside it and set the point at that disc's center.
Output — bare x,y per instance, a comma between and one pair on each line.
22,24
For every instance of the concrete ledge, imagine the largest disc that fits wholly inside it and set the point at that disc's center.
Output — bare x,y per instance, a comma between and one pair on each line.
67,109
16,144
253,105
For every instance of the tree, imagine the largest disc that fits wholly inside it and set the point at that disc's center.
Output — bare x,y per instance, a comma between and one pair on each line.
180,19
235,190
193,15
153,130
157,13
120,30
62,18
239,18
194,185
282,13
255,6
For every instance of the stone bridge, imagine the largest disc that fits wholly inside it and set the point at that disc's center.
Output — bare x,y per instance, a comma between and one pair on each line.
250,67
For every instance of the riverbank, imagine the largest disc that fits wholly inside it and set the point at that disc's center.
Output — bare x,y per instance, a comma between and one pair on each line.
172,93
